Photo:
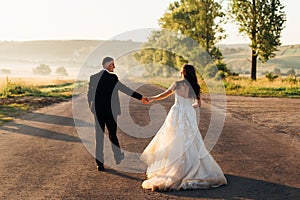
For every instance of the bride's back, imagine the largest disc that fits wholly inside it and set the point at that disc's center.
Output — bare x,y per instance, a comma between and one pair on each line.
183,89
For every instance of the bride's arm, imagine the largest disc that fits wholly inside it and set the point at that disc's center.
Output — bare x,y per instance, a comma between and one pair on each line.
164,94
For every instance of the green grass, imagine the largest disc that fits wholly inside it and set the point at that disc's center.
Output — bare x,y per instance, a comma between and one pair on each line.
262,87
63,90
265,92
19,89
240,86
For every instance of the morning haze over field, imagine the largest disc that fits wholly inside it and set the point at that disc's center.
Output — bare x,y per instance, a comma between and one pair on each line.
30,38
20,58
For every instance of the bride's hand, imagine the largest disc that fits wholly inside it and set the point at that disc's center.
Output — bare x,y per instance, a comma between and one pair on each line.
150,99
196,106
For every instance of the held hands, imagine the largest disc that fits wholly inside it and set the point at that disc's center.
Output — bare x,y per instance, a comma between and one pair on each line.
147,100
144,100
150,99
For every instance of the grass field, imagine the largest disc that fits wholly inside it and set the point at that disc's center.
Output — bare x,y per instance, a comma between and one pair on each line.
281,87
55,89
72,53
15,93
239,86
12,87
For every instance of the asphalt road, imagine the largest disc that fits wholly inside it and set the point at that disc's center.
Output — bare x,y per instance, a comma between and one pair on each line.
45,156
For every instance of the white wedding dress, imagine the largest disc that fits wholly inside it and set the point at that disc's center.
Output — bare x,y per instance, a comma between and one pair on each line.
177,157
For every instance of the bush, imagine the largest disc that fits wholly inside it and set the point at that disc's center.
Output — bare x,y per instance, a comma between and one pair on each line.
42,70
291,72
222,67
232,86
5,71
61,71
210,71
220,75
271,76
277,71
218,71
291,79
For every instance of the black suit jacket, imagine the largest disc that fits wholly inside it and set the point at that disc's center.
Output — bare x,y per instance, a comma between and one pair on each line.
103,97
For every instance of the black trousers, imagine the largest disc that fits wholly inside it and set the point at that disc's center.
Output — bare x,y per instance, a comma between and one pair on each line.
108,121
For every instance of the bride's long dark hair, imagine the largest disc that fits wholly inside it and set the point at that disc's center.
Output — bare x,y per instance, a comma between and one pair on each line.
189,74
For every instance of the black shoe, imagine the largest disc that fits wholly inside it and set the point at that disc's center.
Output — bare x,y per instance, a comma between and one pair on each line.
119,158
100,168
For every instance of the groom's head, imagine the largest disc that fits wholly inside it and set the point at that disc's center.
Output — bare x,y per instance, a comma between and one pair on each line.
108,64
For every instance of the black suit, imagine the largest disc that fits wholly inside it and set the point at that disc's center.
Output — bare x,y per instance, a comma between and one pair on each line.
103,99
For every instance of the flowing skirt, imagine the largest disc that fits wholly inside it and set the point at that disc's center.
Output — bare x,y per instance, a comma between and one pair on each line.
177,157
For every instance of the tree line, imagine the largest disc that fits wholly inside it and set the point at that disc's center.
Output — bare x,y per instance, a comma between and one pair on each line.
45,70
190,30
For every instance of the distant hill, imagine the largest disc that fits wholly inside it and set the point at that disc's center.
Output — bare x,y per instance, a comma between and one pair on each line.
71,54
238,58
21,57
58,51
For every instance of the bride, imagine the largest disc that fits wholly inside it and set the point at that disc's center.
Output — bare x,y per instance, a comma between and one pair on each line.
177,157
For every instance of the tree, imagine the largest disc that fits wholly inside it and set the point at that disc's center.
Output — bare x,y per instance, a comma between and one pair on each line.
262,21
5,71
190,30
164,48
291,72
277,71
61,71
271,76
42,69
169,48
198,19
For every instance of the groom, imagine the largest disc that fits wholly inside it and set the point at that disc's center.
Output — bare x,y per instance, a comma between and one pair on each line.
104,103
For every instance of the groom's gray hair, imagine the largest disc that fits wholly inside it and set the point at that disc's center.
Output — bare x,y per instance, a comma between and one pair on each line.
106,60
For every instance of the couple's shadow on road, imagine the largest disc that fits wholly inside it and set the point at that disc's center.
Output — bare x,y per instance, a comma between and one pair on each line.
29,129
117,173
237,188
57,120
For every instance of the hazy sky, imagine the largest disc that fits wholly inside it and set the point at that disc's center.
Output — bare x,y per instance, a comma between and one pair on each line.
98,19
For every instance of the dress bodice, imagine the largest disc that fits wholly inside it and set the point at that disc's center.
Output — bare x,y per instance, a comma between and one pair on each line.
183,101
182,95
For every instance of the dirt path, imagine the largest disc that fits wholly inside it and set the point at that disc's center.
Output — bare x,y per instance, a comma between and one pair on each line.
42,156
